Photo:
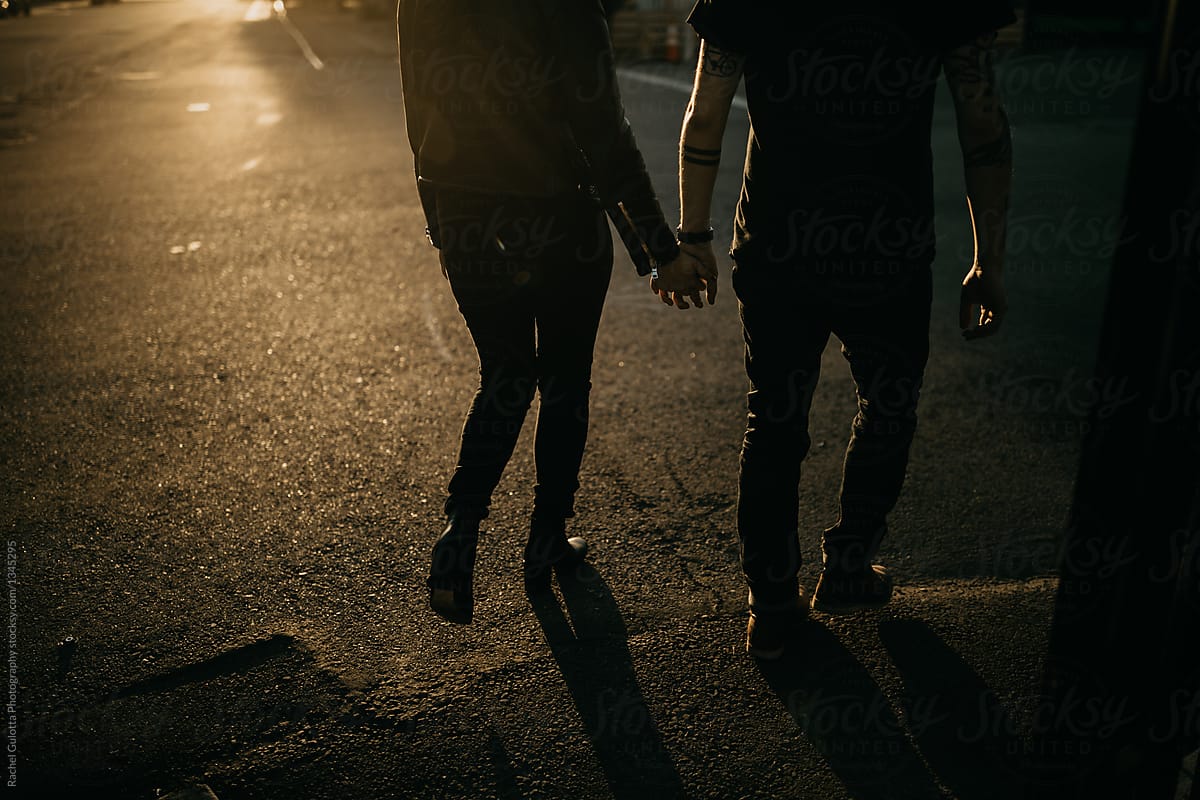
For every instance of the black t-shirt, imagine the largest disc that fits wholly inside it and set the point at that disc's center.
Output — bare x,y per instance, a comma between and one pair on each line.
839,176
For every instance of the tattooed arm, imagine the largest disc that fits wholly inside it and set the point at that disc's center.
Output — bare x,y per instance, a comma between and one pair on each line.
718,73
986,142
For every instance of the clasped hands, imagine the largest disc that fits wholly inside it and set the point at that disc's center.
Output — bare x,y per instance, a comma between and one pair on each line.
692,275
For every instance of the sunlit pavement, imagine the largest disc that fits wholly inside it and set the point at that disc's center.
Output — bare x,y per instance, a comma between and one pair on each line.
233,380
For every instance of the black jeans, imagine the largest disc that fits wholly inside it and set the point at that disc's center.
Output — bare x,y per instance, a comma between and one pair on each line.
530,278
787,319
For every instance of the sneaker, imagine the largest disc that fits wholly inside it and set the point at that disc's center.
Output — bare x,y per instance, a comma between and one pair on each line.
842,593
767,632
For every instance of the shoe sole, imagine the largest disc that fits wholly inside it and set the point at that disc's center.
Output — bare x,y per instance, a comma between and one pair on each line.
765,655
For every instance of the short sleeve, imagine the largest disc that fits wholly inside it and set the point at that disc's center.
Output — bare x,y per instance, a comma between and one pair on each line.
960,23
724,23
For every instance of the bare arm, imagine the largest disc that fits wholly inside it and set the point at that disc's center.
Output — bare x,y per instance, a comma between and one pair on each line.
983,133
718,73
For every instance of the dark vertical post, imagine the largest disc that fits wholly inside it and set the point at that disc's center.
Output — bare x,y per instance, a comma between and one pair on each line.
1120,704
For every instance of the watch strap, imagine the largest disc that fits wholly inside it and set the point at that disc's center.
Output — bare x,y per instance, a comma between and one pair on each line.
689,237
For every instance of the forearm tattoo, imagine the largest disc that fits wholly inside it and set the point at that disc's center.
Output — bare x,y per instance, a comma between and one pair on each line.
700,156
971,71
719,62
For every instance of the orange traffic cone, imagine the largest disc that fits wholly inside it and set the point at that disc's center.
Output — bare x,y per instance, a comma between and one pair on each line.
673,44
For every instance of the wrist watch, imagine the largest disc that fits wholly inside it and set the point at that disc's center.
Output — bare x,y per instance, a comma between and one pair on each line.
686,237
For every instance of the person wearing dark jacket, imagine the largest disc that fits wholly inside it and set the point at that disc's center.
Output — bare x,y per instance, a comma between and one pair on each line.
520,146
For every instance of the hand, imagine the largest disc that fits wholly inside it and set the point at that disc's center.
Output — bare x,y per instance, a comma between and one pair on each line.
703,253
679,280
982,289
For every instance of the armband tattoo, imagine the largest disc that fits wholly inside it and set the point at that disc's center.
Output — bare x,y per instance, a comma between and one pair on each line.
700,156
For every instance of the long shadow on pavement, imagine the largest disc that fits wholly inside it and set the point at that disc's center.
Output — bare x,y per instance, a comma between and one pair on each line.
592,652
957,721
506,783
846,717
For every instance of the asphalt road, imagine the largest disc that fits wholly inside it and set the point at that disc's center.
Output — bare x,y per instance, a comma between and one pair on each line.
232,384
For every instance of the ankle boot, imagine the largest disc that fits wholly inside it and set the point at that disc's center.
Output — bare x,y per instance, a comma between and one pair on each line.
550,549
452,571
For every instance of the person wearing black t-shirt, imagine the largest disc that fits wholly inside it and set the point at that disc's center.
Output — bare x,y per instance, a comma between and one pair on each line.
834,234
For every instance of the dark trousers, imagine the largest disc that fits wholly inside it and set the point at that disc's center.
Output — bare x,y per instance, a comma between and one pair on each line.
530,278
787,322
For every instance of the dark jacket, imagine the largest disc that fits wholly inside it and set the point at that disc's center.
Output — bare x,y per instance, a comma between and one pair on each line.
520,97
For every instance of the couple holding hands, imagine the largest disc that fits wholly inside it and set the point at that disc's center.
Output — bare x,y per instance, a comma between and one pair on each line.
523,154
